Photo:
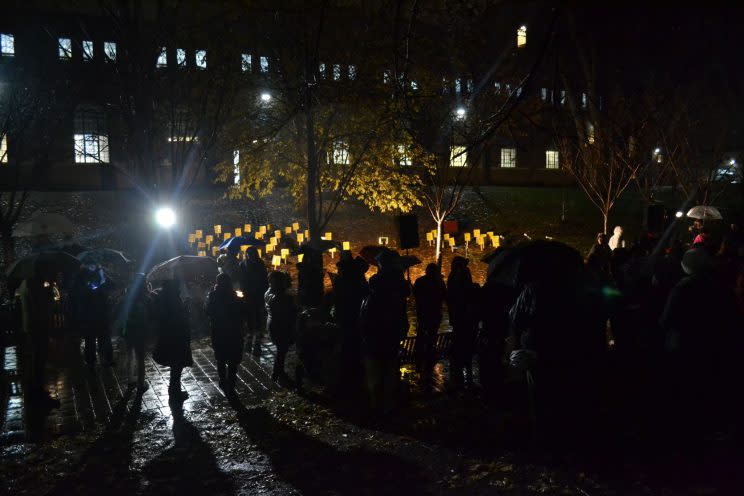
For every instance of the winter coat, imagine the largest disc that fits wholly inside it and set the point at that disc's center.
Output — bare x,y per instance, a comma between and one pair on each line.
253,281
173,347
224,310
281,317
429,293
350,288
383,320
90,310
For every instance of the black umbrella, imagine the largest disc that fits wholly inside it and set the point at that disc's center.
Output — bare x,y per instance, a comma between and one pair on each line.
533,261
45,265
104,256
187,268
320,245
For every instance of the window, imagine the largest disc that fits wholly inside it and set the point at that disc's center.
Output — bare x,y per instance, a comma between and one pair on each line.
544,94
336,72
508,89
563,97
87,51
519,92
508,158
470,86
352,71
551,159
458,86
322,70
109,50
590,133
264,64
162,58
403,157
445,86
458,156
386,76
90,138
7,45
200,56
236,167
180,57
246,62
521,36
340,152
65,48
414,85
497,87
4,149
584,100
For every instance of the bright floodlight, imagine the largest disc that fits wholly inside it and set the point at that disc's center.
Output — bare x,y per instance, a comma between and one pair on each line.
657,151
165,217
265,97
732,161
460,113
679,214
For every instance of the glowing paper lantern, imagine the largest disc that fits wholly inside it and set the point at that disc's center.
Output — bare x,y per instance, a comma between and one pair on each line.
262,229
243,248
307,234
201,253
215,251
429,238
476,233
296,226
217,229
277,234
276,261
346,246
300,257
300,237
269,248
383,240
192,239
288,230
467,237
328,236
238,231
285,252
201,245
208,239
199,234
228,236
247,228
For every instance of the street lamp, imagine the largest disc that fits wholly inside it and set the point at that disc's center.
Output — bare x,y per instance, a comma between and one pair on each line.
165,217
460,113
265,97
679,214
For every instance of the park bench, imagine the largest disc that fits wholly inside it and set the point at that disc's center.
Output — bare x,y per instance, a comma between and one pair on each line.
442,346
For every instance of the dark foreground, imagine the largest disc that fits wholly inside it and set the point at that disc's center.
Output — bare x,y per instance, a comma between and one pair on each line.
106,439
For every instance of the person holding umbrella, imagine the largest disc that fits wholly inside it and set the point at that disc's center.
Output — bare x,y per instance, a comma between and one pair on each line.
173,347
136,320
90,312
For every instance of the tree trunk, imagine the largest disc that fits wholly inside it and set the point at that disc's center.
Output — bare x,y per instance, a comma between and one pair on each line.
438,251
8,248
312,157
605,220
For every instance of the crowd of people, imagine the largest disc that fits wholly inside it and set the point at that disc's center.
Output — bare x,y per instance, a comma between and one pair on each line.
679,309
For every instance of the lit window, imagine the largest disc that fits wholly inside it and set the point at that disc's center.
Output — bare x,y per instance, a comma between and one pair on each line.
65,48
322,70
386,76
590,133
497,87
543,94
201,59
445,86
403,157
162,58
336,72
90,138
551,159
458,156
508,158
414,85
4,149
470,86
352,72
246,62
340,153
563,97
521,36
236,167
180,57
508,89
264,64
87,50
458,86
519,92
7,45
584,100
109,49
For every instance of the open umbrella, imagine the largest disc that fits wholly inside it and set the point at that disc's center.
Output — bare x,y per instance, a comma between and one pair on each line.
187,268
72,248
46,265
370,253
533,261
704,212
320,245
104,256
233,245
42,223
